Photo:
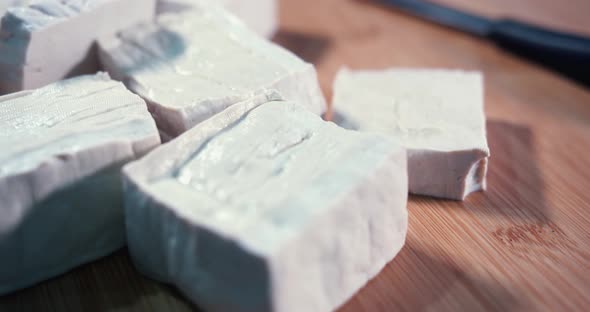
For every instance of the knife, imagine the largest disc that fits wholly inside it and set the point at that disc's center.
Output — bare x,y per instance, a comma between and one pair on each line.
568,54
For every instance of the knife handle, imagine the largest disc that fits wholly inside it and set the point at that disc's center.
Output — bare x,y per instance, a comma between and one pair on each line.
565,53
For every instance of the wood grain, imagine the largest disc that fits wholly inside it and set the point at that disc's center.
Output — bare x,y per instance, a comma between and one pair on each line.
522,245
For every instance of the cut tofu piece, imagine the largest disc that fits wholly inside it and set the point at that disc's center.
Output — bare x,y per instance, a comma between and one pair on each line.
190,66
267,208
260,15
49,40
62,147
436,114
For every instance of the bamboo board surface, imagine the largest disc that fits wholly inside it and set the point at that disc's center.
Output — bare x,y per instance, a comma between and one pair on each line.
522,245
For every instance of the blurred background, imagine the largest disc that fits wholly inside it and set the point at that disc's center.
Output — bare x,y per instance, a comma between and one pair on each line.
371,33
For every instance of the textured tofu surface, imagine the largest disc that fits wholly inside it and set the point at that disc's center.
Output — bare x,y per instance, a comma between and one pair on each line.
265,207
436,114
260,15
61,150
193,65
48,40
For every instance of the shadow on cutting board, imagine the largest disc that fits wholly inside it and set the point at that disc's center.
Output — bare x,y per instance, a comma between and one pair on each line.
109,284
310,48
418,281
515,187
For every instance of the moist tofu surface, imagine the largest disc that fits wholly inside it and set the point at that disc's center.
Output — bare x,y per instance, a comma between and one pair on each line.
44,41
265,207
61,150
190,66
436,114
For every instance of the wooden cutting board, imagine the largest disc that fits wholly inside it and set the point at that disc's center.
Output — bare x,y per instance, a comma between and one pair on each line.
522,245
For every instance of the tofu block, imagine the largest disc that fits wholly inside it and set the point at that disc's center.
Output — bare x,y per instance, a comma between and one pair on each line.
49,40
61,152
436,114
191,66
260,15
265,207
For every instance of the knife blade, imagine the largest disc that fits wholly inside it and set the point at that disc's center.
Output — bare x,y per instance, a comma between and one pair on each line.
566,53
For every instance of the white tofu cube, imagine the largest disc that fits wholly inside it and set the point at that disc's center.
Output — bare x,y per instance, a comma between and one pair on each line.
265,207
49,40
190,66
436,114
61,150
